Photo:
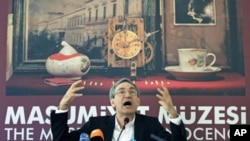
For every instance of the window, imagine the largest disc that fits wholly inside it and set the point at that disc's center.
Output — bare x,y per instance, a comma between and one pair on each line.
114,9
104,12
126,7
89,15
96,14
84,18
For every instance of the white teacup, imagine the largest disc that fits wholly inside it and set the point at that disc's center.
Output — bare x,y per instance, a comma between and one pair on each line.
194,59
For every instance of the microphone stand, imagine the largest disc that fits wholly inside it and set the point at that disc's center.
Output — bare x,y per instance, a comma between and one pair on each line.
121,132
126,120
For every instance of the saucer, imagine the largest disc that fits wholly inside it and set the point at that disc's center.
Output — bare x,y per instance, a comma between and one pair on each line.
201,75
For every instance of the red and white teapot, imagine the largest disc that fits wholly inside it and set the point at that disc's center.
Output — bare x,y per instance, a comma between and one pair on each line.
68,63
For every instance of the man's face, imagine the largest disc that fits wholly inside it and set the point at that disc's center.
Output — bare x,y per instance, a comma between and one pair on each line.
126,99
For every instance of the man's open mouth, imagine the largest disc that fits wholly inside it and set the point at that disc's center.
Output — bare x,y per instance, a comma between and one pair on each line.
127,103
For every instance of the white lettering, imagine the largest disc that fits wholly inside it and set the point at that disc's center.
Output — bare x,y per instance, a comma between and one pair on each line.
219,116
237,132
243,131
103,112
209,134
240,132
72,115
48,111
184,116
203,118
189,133
45,136
243,115
29,133
234,118
111,110
15,116
222,134
8,132
143,109
163,115
195,134
84,115
19,134
35,115
201,133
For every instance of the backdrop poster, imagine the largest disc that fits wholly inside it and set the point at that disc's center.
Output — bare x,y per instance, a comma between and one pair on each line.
27,117
206,118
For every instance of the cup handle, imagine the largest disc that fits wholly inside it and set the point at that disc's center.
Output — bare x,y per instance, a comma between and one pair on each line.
214,59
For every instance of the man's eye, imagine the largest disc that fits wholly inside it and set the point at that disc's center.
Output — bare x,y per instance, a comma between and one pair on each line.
132,92
121,92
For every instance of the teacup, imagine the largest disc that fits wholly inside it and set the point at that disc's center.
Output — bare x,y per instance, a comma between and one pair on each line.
194,59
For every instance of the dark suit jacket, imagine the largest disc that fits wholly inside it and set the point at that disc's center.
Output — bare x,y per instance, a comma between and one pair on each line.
143,128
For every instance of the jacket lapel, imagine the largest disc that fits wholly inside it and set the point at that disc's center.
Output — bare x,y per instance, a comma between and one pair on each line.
139,128
110,128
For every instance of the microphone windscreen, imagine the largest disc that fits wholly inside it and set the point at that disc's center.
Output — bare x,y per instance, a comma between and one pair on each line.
96,135
84,137
126,120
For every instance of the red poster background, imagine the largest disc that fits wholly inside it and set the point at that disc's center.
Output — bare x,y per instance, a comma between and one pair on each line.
40,104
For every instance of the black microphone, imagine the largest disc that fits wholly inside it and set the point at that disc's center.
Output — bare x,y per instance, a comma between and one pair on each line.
96,135
157,138
84,137
126,120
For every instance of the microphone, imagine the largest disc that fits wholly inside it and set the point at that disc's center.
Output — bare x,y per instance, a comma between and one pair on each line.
126,120
84,137
157,138
96,135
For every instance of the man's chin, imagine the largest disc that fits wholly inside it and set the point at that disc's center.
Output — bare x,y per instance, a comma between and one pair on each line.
128,107
129,110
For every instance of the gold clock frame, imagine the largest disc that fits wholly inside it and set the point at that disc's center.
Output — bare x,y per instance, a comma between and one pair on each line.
116,25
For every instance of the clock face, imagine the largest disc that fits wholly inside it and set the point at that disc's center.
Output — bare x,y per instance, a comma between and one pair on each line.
126,44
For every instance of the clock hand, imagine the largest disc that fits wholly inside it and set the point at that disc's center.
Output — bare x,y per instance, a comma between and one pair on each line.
125,40
126,44
146,35
134,40
150,34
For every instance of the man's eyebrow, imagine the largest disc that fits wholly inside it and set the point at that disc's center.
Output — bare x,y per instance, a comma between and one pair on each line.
132,88
121,88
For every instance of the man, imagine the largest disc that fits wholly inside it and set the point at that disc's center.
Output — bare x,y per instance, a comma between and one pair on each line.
126,124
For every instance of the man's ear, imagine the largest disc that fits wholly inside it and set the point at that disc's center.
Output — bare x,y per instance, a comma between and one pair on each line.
138,101
112,103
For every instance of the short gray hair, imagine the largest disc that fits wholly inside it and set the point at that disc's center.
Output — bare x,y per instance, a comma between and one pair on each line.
112,89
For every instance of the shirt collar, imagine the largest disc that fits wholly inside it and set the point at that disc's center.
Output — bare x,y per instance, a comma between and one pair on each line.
128,125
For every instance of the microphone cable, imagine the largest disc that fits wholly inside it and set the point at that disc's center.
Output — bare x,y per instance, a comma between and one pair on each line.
126,120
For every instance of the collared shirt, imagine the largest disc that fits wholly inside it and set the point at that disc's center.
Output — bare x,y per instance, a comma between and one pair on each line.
127,134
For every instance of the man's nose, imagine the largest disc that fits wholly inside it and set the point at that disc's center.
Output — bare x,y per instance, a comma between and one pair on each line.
128,94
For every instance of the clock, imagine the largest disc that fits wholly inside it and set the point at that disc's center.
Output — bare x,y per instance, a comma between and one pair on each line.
126,44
